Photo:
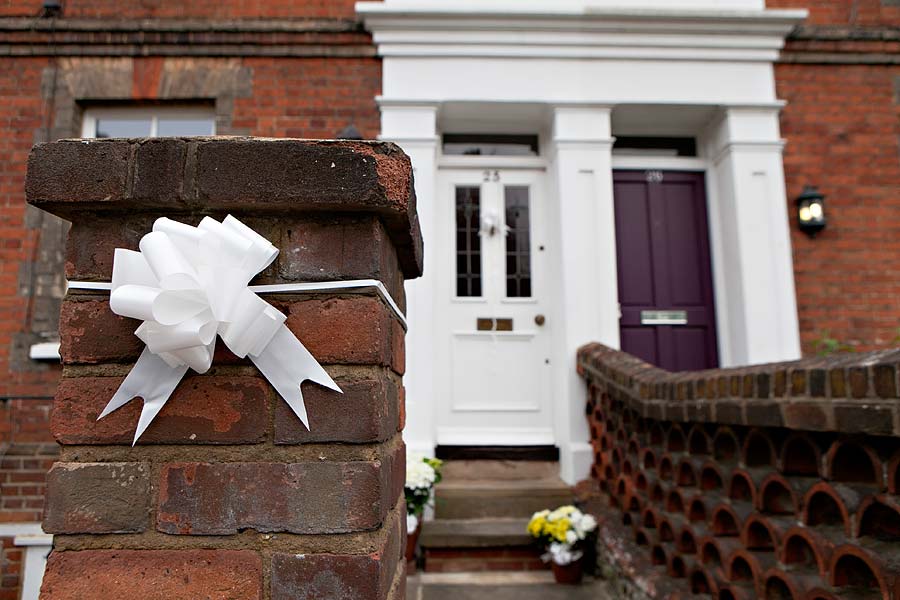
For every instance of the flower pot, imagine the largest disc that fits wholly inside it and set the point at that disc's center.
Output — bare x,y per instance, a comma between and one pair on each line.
569,574
412,538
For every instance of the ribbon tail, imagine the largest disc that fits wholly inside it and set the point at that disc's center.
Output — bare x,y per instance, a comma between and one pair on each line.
151,379
286,363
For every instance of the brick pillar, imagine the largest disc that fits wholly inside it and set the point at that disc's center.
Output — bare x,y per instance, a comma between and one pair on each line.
227,495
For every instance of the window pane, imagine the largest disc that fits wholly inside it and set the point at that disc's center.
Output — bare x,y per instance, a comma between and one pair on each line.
115,128
468,244
518,242
182,127
490,145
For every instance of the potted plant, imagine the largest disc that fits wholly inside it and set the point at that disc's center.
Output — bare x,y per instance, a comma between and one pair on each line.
563,534
422,474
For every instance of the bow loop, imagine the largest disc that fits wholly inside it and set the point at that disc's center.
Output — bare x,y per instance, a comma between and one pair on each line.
188,284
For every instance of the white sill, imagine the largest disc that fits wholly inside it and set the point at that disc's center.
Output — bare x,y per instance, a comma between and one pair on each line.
44,351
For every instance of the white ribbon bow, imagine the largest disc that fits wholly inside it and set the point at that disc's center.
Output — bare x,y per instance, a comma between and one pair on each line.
189,284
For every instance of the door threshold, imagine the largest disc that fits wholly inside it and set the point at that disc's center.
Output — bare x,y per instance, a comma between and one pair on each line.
533,453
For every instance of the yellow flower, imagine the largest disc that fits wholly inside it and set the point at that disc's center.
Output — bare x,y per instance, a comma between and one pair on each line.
536,525
559,529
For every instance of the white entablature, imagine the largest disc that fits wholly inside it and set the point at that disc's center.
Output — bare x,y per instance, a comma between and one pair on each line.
735,30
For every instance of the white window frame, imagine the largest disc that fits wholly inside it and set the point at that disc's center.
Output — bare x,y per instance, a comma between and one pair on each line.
92,115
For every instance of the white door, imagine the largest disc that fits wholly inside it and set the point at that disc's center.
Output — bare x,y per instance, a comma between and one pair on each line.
493,348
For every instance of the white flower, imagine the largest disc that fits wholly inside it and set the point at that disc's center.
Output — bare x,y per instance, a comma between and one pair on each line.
571,537
419,475
561,554
588,523
583,524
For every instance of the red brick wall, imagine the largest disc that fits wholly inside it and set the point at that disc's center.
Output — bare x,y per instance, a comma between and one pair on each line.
212,9
842,126
774,481
312,96
22,116
843,12
26,448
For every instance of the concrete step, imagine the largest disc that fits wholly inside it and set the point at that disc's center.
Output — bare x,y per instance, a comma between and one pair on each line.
498,498
503,586
466,470
475,533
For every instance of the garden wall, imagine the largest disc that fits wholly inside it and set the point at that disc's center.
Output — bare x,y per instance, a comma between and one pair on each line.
772,481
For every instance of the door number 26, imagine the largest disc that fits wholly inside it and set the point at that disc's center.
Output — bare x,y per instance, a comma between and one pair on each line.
654,176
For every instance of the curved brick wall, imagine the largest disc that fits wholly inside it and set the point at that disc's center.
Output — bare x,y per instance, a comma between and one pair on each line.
775,481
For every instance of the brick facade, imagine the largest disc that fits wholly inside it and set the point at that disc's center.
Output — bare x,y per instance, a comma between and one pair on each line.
225,476
839,74
775,481
295,69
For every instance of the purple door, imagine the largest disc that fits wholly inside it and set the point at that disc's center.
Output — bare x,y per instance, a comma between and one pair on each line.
665,283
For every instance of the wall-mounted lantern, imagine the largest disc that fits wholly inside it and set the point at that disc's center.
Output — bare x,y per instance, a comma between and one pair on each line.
811,211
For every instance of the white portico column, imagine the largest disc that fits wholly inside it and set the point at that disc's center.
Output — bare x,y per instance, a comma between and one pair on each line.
749,228
587,302
414,128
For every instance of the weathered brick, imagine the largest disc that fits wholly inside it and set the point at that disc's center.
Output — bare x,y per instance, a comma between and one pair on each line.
318,175
372,400
729,412
807,415
89,249
885,379
236,175
159,171
837,380
780,385
864,418
817,383
338,576
91,333
329,248
97,498
153,574
356,330
747,386
859,382
763,414
352,329
308,497
69,172
204,409
798,382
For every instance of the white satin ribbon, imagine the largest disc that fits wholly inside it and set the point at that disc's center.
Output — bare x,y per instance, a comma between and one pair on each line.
188,284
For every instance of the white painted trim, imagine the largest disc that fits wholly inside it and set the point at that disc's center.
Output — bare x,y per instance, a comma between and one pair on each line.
37,546
44,351
660,163
14,529
92,115
457,436
554,30
492,162
33,539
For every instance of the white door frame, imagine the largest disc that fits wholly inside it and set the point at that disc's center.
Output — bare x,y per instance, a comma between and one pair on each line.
509,423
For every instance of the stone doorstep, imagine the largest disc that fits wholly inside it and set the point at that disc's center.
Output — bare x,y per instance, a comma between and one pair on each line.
501,586
467,470
475,533
510,499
